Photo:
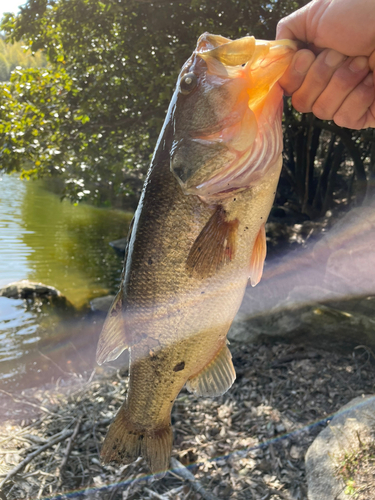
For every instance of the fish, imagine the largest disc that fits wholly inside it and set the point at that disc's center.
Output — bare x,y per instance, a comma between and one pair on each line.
196,238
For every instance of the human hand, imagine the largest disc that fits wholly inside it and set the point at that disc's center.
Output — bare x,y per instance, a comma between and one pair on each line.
331,85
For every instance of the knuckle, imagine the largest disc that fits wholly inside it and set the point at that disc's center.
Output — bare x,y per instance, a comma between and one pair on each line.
300,103
281,24
321,111
344,120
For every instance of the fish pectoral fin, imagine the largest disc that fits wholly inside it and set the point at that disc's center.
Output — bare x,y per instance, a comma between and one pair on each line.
125,442
215,378
215,245
258,257
113,339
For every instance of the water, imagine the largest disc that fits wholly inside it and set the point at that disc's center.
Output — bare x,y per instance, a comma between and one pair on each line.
45,240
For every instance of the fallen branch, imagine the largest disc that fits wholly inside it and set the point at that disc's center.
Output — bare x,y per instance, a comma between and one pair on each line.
70,446
34,454
183,472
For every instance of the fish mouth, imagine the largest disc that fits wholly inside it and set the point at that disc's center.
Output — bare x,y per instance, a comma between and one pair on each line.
238,150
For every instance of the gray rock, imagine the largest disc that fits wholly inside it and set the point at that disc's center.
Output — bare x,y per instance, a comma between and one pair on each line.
26,289
102,304
36,294
322,293
352,427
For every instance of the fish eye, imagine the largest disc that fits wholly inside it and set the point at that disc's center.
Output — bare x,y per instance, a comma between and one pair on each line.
188,83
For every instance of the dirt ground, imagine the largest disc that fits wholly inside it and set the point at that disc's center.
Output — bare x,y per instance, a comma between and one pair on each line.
248,444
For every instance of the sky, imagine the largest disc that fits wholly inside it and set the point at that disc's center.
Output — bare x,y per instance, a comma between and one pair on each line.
10,6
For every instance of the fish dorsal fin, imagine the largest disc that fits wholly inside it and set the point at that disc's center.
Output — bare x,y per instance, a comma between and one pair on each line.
215,245
215,378
113,338
258,257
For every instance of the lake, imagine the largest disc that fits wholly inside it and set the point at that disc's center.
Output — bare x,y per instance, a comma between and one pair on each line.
47,240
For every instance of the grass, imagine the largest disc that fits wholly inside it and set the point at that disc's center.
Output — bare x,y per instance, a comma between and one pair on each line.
357,470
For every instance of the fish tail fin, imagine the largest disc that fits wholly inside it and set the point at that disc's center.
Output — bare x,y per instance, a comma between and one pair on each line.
125,442
157,447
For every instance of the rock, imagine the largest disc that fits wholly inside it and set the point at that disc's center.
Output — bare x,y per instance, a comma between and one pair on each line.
340,324
348,251
119,245
348,431
26,289
324,292
102,304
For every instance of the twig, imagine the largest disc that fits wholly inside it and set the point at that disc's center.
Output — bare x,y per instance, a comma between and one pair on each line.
280,493
154,494
183,472
70,446
58,438
55,364
169,493
34,454
40,407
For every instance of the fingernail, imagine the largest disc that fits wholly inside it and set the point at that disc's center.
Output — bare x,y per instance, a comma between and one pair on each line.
369,80
358,64
303,62
333,58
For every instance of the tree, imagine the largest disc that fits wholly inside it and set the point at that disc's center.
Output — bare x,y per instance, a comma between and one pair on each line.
94,114
14,55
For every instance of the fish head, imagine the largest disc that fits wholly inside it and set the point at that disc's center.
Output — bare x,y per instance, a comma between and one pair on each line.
227,114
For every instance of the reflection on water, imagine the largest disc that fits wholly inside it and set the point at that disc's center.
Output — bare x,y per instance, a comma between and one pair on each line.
13,251
45,240
57,243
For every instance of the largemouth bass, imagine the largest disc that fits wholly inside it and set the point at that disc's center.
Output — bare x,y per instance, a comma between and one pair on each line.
197,236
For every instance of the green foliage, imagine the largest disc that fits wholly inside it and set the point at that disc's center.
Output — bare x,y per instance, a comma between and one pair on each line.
95,114
13,55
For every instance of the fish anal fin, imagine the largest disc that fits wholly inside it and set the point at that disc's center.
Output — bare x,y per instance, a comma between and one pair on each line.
113,339
125,442
215,245
215,378
258,257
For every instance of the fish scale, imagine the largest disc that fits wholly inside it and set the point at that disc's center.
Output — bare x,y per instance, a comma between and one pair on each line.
188,261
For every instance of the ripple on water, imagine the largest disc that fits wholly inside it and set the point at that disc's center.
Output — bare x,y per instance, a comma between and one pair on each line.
45,240
18,327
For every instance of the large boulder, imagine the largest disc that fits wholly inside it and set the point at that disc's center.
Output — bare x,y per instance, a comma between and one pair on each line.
349,431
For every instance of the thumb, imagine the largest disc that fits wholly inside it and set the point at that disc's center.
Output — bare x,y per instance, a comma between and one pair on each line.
294,26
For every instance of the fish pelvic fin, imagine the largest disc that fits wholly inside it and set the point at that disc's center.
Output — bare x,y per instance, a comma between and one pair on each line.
215,378
125,442
113,338
258,257
215,245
